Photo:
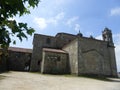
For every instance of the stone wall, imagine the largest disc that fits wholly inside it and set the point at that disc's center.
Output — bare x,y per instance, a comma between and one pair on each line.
113,61
54,63
86,55
44,41
89,56
19,61
39,42
3,63
63,39
96,56
72,49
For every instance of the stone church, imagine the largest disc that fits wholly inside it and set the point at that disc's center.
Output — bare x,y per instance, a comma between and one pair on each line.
74,54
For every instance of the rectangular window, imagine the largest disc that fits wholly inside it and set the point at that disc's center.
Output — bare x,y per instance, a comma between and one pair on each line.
48,41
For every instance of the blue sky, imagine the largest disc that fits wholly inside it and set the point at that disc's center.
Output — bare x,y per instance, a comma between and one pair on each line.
70,16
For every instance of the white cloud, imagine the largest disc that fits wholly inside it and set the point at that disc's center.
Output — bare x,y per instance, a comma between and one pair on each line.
77,27
60,16
43,22
72,20
56,19
73,23
115,11
52,21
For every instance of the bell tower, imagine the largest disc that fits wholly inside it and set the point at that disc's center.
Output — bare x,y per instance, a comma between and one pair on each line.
107,36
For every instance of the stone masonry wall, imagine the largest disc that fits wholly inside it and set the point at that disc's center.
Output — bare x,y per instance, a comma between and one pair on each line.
55,63
3,63
90,56
113,61
96,57
44,41
86,55
72,49
19,61
39,42
63,39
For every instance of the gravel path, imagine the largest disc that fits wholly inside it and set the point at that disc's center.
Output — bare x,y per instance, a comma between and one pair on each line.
34,81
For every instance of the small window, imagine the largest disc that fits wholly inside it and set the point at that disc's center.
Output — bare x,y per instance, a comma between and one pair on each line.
48,41
38,62
58,58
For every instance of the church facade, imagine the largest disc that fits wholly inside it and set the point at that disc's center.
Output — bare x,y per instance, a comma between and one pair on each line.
74,54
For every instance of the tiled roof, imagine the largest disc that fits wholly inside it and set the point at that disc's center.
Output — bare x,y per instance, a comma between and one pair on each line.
53,50
16,49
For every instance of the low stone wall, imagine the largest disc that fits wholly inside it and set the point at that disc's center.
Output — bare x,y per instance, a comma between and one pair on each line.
3,62
19,61
3,66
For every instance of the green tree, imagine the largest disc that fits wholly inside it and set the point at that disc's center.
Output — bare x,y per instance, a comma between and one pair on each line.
9,9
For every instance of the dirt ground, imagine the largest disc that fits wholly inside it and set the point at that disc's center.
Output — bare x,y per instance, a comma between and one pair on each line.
34,81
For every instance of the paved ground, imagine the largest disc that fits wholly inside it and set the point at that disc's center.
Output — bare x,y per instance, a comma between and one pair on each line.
33,81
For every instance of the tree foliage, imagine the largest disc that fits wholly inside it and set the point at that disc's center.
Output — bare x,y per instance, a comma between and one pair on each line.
8,27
